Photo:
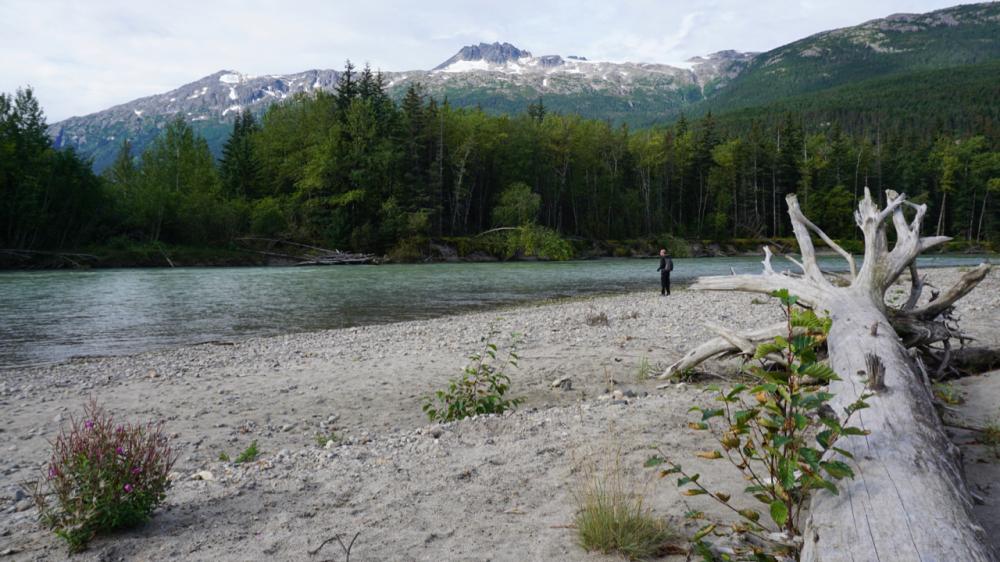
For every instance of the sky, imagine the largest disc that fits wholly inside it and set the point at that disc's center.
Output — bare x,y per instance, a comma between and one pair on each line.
85,56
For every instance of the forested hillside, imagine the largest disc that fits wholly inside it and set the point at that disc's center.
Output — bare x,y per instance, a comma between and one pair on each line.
356,170
898,44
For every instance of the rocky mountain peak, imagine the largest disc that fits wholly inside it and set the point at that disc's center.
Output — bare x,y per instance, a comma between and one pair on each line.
495,53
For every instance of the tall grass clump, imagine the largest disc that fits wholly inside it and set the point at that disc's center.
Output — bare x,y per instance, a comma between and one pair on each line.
103,475
612,517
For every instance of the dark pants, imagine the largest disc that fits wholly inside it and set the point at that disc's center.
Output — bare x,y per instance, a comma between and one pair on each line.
664,282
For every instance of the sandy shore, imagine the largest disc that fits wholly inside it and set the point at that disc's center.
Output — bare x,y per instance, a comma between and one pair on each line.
497,488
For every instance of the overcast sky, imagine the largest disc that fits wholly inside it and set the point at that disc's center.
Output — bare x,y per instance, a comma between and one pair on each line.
82,56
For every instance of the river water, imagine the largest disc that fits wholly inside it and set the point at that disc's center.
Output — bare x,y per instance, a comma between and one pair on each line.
50,316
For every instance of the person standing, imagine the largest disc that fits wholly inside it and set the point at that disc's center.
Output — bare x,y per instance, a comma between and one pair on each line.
666,266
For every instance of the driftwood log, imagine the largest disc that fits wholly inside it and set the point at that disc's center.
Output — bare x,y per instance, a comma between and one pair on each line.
303,254
908,500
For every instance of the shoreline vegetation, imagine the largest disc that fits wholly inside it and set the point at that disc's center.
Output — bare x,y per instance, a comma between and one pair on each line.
342,445
418,178
127,254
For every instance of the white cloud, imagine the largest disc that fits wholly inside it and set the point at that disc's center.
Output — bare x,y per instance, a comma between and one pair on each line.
85,56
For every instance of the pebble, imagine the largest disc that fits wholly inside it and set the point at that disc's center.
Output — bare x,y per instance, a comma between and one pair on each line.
203,475
564,383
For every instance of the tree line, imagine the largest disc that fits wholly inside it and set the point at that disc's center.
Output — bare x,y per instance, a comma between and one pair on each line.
357,170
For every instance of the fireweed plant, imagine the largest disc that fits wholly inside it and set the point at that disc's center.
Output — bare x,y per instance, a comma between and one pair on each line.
103,475
780,434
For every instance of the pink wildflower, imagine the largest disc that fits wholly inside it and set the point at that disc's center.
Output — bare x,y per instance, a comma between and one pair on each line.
128,488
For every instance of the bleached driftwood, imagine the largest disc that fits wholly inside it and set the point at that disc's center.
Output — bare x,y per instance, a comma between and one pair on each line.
909,500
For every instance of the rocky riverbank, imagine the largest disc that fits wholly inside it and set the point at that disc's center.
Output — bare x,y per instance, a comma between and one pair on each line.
495,487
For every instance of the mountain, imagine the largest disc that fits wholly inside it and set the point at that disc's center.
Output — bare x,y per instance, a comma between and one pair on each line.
210,104
897,44
500,77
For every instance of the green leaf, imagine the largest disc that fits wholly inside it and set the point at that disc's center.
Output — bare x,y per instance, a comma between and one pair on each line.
751,514
688,479
654,461
779,512
711,413
819,371
786,472
837,469
703,531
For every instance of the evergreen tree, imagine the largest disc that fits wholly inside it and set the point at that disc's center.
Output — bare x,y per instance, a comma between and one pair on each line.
347,89
240,168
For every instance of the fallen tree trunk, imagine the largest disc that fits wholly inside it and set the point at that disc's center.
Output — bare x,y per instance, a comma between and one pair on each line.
908,500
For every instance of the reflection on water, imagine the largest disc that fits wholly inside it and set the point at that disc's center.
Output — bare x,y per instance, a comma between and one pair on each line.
53,315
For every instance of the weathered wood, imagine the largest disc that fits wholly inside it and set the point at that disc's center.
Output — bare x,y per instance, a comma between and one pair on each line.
908,500
313,256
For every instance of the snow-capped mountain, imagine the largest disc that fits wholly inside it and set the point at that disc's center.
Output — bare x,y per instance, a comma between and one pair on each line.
497,77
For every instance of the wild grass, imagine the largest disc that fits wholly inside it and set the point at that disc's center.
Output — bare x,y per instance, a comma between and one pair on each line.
597,319
323,438
612,516
249,454
990,436
644,371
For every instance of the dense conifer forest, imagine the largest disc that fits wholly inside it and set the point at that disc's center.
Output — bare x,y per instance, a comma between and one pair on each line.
356,170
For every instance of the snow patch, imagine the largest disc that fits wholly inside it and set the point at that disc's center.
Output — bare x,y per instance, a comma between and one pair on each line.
230,78
235,108
200,118
138,112
316,85
686,65
173,99
466,66
232,93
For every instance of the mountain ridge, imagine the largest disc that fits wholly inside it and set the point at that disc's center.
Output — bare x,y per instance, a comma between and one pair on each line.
501,77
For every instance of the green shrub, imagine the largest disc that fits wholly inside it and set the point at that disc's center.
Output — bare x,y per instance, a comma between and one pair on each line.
537,241
482,387
518,205
781,433
102,476
948,394
408,250
249,454
267,218
612,517
323,438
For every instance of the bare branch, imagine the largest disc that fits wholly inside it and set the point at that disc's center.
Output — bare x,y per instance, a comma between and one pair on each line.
893,202
962,287
807,291
767,261
722,345
796,262
826,239
916,287
801,226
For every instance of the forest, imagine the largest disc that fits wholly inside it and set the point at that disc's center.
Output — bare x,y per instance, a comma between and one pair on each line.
354,169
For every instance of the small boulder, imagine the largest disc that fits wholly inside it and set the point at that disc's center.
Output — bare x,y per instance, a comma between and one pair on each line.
564,383
203,475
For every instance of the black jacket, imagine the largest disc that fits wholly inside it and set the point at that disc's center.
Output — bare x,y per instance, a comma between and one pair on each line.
666,264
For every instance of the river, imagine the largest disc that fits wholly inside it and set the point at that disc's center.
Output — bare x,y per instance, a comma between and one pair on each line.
48,316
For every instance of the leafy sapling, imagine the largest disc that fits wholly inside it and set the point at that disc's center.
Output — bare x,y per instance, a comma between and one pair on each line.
781,434
483,386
